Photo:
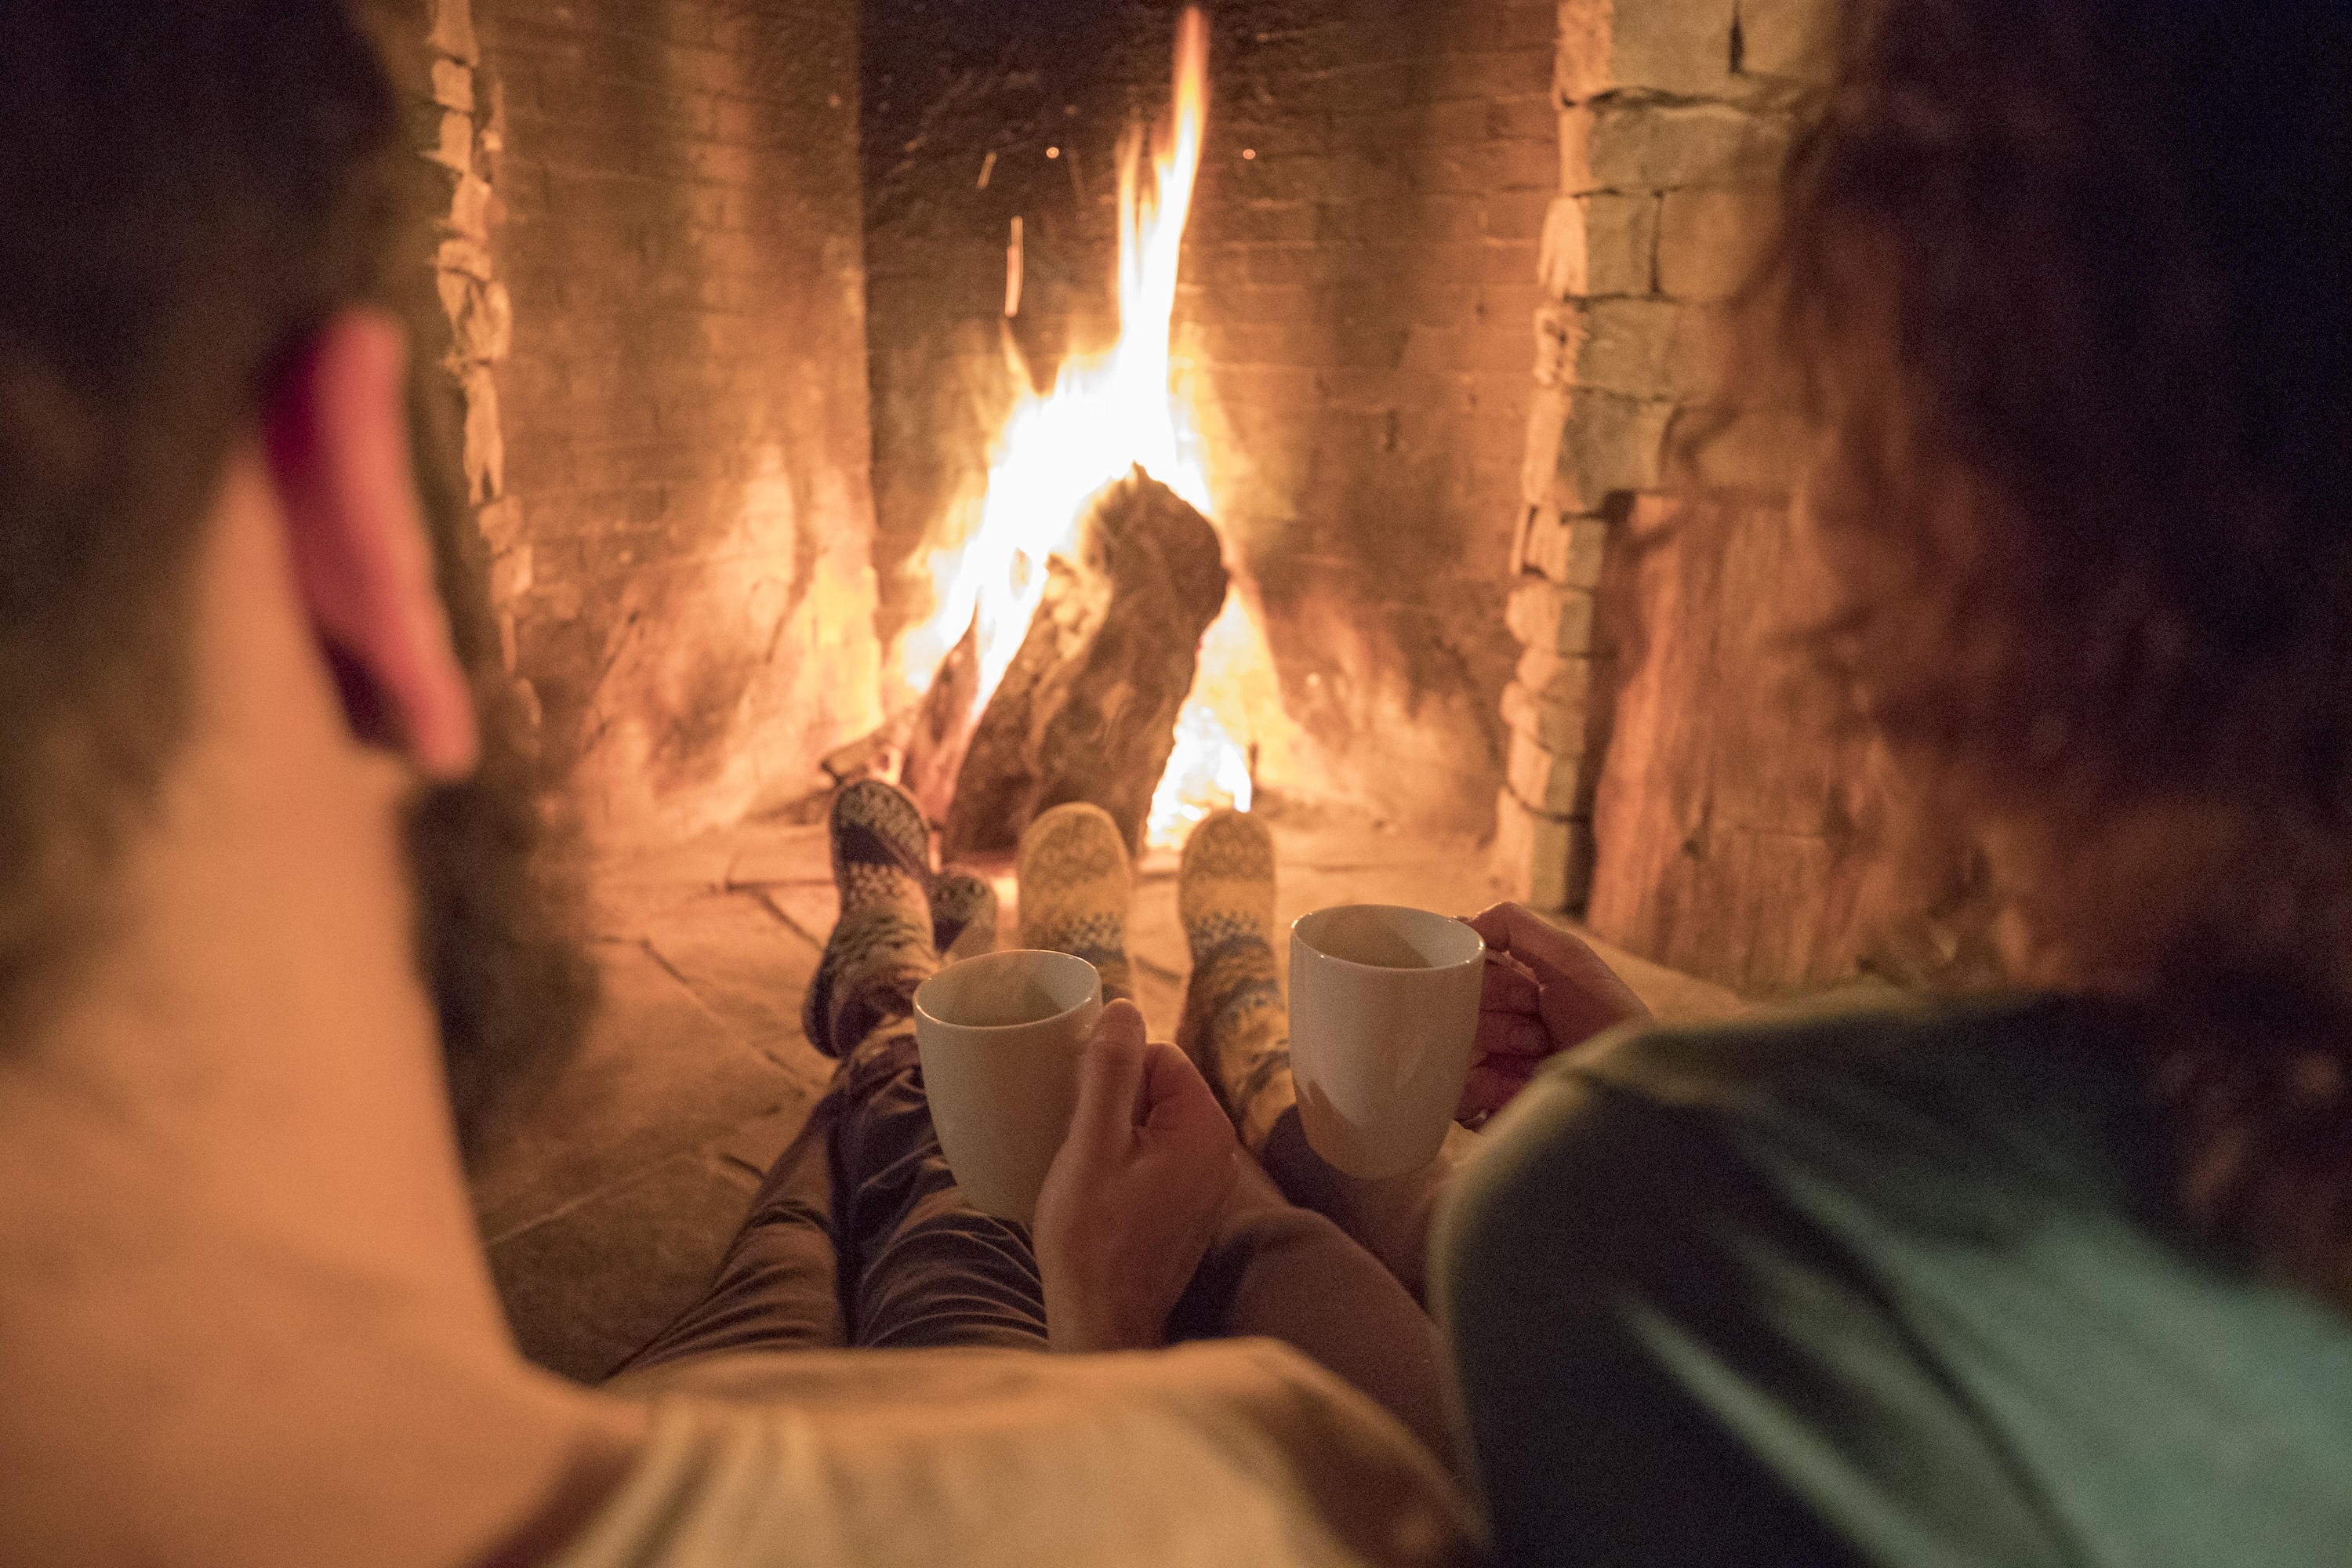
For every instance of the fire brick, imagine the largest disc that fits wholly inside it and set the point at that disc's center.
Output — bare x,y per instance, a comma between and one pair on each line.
1556,728
453,85
1621,243
1550,616
1672,45
1785,38
1539,471
1615,443
1628,346
1556,786
1542,860
1641,145
1561,255
453,30
1709,237
1561,682
1566,550
683,428
1700,359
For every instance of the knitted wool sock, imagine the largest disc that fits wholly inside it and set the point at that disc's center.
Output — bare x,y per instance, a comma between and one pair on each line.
1235,1027
963,916
881,948
1074,887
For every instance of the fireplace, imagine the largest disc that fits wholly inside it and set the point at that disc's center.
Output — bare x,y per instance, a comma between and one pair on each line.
652,264
1350,327
744,296
1662,780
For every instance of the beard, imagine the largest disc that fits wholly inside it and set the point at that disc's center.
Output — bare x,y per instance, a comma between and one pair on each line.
496,862
500,935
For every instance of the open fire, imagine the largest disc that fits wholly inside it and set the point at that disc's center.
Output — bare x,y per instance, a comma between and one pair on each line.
1106,416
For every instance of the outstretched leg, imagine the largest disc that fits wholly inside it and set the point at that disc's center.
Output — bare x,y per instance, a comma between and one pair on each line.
775,1291
919,1267
1235,1026
1275,1268
882,947
858,1235
1236,1030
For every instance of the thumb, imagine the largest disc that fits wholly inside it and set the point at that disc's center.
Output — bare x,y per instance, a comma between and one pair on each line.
1110,1078
1177,1097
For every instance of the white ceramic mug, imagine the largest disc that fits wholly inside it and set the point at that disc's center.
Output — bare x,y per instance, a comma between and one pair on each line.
1383,1023
999,1037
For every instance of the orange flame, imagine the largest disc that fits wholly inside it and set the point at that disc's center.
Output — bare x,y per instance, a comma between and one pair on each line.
1105,415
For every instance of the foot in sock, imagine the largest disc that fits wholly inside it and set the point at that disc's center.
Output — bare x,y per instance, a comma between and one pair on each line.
1235,1027
963,916
882,947
1074,887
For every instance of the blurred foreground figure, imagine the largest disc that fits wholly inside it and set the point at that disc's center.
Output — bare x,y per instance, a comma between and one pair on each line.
2061,1275
268,909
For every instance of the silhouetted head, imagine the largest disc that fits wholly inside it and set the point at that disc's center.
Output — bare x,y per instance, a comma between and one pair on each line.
191,191
2067,287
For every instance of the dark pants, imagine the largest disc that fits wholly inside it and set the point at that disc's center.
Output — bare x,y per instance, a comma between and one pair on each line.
859,1237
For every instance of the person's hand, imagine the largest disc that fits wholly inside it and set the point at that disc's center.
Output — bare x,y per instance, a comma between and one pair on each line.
1130,1204
1545,993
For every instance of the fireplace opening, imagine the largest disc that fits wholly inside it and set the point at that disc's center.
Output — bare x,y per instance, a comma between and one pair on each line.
797,338
1304,407
1341,347
1085,639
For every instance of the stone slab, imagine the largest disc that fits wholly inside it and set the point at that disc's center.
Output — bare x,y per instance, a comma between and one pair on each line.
759,855
749,966
658,1075
586,1288
624,887
809,908
1792,38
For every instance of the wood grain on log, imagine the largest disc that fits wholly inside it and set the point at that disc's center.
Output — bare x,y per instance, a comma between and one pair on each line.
1088,709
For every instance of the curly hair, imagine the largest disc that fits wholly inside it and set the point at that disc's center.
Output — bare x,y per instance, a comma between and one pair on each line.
2067,286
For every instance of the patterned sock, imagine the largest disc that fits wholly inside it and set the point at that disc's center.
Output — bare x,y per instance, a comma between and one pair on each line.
1074,887
880,948
1235,1027
963,916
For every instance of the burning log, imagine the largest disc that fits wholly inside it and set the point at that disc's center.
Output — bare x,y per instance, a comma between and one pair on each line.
1088,708
942,729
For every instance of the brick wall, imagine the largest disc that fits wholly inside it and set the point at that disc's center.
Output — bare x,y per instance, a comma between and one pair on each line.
1358,277
672,444
1674,115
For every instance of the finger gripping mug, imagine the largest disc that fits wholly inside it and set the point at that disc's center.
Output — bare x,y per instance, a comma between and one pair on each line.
999,1037
1383,1019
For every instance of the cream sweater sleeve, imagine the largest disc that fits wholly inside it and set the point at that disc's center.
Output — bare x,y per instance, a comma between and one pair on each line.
1233,1452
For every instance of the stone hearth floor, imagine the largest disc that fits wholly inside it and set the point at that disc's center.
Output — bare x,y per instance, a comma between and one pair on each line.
609,1213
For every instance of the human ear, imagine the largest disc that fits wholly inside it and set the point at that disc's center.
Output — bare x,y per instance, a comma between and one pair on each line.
337,429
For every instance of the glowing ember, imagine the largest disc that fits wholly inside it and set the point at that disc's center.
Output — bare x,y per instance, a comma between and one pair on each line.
1105,415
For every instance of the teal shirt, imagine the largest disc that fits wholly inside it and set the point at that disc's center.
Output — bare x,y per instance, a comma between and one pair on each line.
1887,1289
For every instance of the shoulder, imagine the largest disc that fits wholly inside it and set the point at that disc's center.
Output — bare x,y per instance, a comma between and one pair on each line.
1217,1452
1656,1287
1647,1122
1916,1275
